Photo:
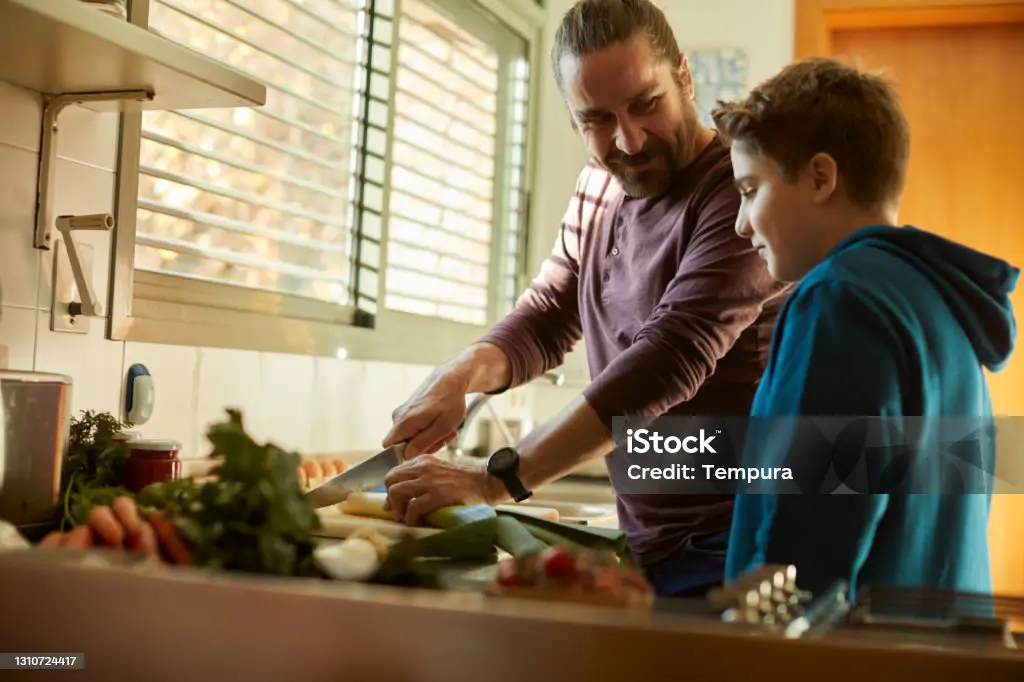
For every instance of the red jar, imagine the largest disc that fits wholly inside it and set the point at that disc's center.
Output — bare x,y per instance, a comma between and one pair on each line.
152,461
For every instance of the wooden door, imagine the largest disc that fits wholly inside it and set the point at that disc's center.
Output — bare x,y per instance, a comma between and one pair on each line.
959,86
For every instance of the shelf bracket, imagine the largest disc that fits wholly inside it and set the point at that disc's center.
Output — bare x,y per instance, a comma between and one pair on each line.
52,108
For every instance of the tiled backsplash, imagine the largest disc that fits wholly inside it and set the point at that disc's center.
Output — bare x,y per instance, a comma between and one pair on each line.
300,402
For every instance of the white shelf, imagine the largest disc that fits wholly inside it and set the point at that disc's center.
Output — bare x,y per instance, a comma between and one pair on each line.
62,46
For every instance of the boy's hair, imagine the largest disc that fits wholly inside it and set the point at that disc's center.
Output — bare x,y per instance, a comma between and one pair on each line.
594,25
821,105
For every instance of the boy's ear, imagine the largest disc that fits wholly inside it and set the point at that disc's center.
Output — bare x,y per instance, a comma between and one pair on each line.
823,172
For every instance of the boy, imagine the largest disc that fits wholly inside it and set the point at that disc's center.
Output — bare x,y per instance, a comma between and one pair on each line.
884,322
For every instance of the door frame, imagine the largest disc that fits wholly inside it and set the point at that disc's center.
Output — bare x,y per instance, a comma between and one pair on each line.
816,20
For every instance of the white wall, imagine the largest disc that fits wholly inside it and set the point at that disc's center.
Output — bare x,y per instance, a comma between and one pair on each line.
310,404
761,28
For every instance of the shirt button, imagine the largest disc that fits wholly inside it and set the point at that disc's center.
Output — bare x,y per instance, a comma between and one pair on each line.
615,251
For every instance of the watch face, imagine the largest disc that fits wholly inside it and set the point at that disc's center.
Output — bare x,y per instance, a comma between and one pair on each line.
502,460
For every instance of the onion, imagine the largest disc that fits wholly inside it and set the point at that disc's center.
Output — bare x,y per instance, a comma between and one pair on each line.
351,559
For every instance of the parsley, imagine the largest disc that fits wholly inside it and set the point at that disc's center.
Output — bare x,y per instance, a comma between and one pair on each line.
253,517
95,466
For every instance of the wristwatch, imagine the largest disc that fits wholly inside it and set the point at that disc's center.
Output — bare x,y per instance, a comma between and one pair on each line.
503,464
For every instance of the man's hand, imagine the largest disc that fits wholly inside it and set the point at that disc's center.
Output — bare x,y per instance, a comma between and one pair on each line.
426,484
121,526
432,417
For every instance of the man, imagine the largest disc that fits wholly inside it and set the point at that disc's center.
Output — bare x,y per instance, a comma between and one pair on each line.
886,322
674,307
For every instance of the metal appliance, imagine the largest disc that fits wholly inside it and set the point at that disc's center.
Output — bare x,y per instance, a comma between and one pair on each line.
769,601
35,411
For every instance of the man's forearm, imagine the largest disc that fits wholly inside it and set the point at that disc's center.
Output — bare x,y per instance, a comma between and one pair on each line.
484,367
552,450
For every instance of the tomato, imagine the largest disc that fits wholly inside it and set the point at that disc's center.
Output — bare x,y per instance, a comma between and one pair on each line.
508,574
559,563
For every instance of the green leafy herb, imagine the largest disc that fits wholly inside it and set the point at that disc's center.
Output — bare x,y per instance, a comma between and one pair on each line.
253,517
95,466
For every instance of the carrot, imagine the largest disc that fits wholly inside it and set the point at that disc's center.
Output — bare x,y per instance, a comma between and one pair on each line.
328,469
128,515
171,543
80,537
106,526
54,539
145,541
303,478
340,465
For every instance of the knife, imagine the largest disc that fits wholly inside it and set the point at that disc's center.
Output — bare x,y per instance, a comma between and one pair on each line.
364,476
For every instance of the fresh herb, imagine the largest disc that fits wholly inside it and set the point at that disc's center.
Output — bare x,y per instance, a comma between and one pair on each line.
95,466
253,517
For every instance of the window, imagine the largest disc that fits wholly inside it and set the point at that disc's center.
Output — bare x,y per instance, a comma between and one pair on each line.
382,186
460,98
257,197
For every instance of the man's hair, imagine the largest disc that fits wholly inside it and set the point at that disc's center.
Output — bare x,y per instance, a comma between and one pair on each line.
594,25
821,105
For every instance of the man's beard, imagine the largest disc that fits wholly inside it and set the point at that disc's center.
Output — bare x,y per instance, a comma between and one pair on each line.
645,183
655,182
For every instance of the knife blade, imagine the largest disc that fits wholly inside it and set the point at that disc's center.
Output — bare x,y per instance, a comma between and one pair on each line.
364,476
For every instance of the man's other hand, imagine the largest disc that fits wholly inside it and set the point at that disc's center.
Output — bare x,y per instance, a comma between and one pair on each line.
426,484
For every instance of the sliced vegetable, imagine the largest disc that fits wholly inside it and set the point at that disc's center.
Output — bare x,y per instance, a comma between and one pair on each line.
557,533
470,541
457,515
369,504
514,538
552,538
424,561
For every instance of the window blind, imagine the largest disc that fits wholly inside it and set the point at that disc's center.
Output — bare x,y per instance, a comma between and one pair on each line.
292,197
449,159
260,198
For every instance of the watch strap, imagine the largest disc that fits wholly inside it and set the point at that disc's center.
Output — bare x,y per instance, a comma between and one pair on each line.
509,477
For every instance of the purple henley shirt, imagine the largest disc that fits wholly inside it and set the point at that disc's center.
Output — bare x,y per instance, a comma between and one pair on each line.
676,312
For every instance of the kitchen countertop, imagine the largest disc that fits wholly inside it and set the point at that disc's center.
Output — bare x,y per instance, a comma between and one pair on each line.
179,623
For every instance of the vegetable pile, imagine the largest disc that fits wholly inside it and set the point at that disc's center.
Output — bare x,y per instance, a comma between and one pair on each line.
252,517
578,572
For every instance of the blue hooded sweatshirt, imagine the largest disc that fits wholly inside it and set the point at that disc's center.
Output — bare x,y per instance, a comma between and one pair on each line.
894,323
